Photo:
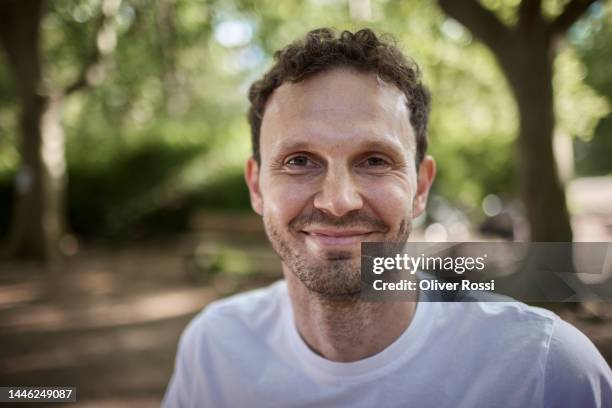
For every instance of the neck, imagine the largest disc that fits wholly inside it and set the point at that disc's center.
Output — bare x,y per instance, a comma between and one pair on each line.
346,330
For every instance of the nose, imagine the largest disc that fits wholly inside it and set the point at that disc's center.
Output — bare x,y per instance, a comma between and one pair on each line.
338,194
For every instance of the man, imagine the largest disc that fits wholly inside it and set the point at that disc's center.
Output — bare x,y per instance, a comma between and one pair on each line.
339,138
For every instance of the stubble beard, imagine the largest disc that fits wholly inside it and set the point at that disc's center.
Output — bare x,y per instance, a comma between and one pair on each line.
337,277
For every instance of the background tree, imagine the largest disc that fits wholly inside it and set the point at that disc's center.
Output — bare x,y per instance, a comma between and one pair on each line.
526,52
39,220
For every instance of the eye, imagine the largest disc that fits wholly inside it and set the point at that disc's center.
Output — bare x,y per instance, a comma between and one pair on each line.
300,162
375,162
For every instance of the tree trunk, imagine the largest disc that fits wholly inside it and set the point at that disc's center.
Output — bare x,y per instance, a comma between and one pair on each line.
38,220
529,68
526,52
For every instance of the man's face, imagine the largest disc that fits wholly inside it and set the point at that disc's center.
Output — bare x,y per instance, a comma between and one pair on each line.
337,168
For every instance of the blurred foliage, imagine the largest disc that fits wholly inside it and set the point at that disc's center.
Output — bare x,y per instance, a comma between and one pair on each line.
162,133
100,203
594,46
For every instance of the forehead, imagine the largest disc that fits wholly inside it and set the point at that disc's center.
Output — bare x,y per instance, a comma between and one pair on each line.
335,108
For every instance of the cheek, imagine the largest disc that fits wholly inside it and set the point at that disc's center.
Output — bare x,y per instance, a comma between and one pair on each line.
391,200
283,200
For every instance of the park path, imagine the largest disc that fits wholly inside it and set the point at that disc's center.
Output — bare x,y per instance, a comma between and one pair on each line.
108,321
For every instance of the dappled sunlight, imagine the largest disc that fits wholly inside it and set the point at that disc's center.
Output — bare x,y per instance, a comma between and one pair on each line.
19,293
116,314
110,313
86,349
95,283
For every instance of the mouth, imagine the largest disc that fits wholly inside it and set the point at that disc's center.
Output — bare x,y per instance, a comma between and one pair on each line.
334,238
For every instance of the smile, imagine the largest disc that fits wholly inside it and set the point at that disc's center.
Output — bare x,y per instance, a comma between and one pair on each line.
336,238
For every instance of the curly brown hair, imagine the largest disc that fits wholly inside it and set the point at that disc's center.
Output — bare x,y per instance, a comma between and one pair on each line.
321,50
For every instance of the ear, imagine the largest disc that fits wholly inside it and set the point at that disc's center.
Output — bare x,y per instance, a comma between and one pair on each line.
251,176
427,173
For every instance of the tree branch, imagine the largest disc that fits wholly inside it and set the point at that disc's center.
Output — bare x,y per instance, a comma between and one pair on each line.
480,21
572,12
104,44
530,11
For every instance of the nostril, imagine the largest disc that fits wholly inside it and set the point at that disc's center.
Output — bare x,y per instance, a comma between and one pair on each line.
338,202
338,194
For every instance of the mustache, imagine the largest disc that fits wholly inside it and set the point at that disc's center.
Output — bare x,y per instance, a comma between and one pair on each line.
351,219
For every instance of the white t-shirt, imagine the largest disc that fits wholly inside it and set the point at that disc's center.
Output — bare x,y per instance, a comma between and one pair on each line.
246,351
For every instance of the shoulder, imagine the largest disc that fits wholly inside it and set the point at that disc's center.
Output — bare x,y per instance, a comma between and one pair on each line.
512,319
221,336
510,332
244,312
250,307
576,373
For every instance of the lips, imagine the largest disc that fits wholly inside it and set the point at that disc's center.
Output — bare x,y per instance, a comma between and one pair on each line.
337,238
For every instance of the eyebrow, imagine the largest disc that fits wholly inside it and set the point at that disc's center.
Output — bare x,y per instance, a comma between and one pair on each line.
380,145
367,145
293,145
